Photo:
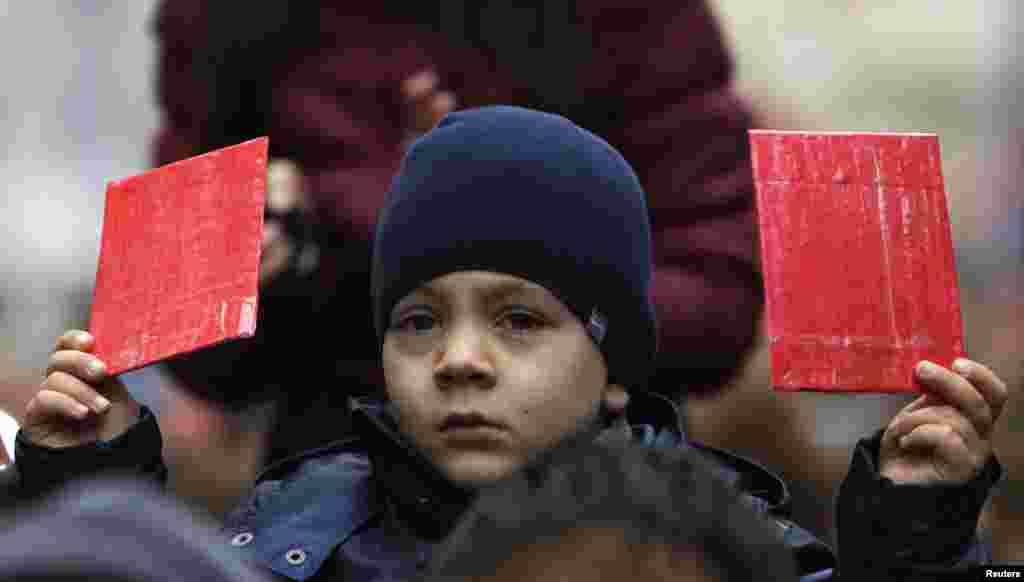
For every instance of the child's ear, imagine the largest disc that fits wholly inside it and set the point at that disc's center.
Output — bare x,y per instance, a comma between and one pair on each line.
615,399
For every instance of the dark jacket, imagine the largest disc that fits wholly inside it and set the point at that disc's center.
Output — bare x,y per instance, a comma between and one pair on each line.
371,508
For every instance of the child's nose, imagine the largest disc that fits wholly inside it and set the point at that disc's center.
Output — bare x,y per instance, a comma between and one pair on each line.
466,358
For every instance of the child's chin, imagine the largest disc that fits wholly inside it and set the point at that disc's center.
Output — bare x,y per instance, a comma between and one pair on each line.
477,469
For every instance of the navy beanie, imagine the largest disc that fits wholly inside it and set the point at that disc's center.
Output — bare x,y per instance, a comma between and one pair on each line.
524,193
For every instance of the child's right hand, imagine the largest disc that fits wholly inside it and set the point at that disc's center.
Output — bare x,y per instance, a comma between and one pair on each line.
78,403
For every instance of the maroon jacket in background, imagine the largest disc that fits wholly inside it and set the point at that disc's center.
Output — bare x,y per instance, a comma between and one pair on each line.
336,110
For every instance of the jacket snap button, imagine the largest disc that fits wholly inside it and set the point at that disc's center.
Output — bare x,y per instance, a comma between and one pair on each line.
295,557
241,539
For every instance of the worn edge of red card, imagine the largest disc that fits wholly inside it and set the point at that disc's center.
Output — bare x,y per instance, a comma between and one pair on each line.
248,307
773,322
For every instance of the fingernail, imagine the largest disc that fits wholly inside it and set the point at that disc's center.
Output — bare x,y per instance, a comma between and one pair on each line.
926,369
97,368
963,367
102,404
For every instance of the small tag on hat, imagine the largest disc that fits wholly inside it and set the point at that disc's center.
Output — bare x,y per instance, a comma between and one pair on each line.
597,326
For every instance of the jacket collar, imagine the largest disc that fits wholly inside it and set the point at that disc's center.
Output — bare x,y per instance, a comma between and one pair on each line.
423,499
429,504
654,420
657,422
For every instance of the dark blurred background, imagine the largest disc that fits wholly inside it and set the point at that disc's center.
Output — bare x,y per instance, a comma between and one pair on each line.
79,110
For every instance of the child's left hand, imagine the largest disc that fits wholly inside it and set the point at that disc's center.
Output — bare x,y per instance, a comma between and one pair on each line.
945,435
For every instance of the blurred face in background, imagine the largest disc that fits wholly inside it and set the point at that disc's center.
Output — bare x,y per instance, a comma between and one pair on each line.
486,369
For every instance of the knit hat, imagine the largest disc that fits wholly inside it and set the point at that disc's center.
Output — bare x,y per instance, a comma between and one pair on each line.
529,194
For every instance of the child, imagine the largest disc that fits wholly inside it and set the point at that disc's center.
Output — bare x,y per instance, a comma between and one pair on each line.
510,286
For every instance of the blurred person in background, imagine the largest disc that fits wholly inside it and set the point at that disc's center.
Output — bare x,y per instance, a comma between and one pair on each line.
114,531
341,90
211,454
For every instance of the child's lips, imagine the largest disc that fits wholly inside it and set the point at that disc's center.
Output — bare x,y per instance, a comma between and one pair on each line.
469,420
477,439
472,429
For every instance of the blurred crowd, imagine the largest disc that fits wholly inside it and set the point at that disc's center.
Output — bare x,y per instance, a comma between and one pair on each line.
123,96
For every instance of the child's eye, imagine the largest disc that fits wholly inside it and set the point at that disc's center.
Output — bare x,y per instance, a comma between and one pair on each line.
520,321
416,323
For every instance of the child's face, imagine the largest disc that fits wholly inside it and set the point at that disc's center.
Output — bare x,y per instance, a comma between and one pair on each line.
486,369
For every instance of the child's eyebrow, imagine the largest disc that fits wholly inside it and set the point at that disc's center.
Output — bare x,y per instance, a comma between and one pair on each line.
416,296
503,291
487,294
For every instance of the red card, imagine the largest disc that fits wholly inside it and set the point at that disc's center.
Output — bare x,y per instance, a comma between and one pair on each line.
179,258
860,282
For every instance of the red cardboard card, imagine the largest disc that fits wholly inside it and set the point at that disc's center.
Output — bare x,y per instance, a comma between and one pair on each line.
857,257
179,257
